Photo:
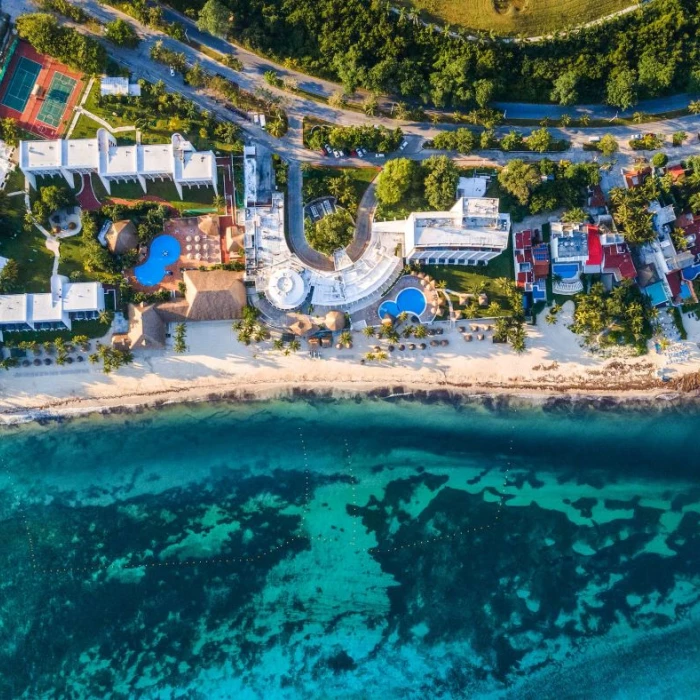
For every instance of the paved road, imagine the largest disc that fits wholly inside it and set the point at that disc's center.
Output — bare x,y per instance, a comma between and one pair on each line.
363,223
295,222
258,65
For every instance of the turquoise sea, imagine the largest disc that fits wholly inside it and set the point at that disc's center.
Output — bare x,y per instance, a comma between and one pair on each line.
352,549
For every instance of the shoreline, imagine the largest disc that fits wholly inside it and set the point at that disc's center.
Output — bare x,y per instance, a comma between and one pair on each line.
554,371
504,396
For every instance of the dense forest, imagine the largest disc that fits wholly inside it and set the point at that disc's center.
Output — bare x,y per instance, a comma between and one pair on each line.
360,43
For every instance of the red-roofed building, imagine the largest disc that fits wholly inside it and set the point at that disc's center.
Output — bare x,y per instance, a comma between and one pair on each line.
677,172
617,261
531,264
674,282
635,178
596,198
595,249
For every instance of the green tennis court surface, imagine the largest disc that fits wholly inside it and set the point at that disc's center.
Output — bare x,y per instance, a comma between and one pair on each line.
21,84
56,98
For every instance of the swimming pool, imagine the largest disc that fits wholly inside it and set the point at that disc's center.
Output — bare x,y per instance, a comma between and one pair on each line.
565,270
164,251
411,300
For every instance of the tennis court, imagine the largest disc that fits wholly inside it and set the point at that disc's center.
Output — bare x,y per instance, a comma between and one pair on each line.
56,99
21,84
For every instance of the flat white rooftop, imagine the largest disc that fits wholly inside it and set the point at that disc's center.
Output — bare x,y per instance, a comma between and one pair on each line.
194,166
82,296
44,309
39,155
14,308
156,158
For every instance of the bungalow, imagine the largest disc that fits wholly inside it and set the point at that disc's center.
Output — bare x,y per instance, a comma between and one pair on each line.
635,177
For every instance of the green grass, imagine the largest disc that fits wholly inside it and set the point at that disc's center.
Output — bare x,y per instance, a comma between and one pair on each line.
15,182
27,249
72,259
531,17
92,329
128,113
194,198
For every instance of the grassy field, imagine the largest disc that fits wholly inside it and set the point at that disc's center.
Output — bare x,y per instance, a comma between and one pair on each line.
529,17
27,249
194,198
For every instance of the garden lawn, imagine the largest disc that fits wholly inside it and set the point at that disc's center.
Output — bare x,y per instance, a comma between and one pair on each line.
195,199
27,249
72,259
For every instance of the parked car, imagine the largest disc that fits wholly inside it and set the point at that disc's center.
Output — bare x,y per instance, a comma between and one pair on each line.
361,152
328,149
636,137
336,154
342,153
594,139
403,145
380,155
172,71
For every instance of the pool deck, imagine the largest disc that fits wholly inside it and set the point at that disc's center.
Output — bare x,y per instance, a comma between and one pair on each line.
370,314
180,229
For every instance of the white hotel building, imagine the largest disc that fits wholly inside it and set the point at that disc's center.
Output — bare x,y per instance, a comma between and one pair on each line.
177,161
54,310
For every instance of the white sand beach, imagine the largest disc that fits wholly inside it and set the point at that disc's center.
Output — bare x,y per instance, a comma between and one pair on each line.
554,363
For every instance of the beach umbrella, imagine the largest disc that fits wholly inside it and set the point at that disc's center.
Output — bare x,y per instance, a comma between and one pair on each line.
402,347
433,343
423,346
198,256
444,342
411,346
197,238
189,246
424,282
198,247
468,337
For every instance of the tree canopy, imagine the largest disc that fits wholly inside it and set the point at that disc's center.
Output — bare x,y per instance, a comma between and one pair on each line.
215,18
441,177
397,178
45,34
331,232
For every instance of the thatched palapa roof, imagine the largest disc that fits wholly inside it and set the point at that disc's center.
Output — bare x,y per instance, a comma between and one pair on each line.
335,320
146,327
122,237
214,295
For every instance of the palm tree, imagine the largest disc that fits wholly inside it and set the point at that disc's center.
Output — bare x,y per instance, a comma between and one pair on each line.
694,107
295,345
368,331
278,344
382,355
402,317
638,117
565,120
105,317
421,331
550,318
584,120
370,356
346,338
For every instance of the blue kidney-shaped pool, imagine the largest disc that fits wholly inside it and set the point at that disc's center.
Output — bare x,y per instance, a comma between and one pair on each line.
164,251
411,300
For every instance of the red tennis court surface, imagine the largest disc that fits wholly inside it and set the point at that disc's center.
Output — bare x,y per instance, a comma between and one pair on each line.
27,119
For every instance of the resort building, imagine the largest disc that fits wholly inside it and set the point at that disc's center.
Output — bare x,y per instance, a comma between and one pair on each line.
177,161
471,233
531,264
54,310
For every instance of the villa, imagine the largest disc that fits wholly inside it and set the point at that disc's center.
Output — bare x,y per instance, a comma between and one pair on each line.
669,268
531,264
176,161
54,310
582,248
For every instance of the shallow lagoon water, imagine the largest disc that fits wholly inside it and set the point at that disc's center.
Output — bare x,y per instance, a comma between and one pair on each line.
340,549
